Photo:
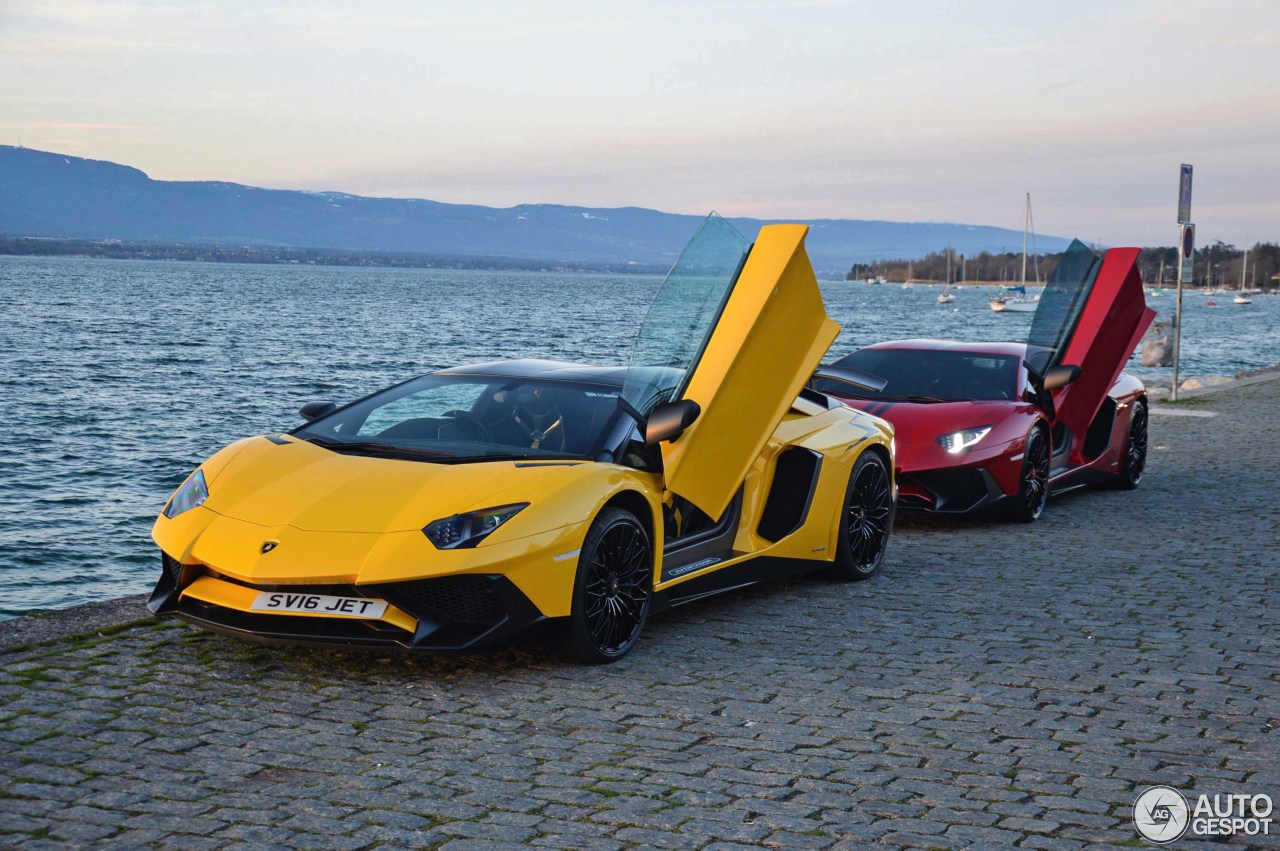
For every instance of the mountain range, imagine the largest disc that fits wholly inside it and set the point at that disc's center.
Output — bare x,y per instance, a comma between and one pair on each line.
45,194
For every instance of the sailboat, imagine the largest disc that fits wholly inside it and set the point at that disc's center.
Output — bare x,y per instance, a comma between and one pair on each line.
1242,296
1020,302
945,297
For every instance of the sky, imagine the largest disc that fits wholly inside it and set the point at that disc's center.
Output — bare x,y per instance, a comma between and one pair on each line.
907,111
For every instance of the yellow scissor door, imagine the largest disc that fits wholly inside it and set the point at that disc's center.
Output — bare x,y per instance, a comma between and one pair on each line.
738,329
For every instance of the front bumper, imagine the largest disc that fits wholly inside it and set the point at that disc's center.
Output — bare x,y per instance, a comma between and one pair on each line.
446,613
952,490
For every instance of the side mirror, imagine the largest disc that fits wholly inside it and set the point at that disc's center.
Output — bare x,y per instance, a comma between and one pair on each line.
315,410
1060,376
854,377
669,420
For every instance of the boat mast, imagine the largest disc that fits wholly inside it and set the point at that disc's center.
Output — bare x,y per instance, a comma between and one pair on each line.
1026,228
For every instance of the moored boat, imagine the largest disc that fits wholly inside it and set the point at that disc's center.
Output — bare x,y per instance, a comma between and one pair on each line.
1019,302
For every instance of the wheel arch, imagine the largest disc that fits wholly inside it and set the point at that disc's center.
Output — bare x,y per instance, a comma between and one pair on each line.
1042,424
883,451
635,503
639,506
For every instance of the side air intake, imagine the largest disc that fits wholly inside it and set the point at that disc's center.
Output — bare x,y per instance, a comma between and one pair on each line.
795,475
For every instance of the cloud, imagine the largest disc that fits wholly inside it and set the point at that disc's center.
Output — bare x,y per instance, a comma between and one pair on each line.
1028,47
1256,41
1063,84
56,125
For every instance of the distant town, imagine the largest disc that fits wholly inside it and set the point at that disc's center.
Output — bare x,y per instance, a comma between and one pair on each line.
1217,266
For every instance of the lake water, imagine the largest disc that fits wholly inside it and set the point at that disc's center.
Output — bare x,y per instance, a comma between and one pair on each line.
119,377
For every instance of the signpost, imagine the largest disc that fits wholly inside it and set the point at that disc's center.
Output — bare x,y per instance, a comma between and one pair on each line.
1186,264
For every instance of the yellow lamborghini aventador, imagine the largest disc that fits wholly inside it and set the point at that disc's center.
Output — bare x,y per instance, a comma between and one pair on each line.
460,507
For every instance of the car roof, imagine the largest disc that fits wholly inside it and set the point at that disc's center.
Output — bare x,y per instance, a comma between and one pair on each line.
552,370
1015,349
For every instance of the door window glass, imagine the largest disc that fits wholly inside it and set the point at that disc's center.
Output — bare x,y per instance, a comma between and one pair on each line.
1060,306
684,313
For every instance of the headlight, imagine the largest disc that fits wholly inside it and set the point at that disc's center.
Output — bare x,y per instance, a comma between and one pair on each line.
192,493
466,530
959,441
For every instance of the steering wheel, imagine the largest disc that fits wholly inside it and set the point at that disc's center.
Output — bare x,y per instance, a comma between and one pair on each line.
471,420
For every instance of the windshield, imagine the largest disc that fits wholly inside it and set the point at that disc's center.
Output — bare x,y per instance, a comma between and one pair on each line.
1060,305
683,314
930,375
457,418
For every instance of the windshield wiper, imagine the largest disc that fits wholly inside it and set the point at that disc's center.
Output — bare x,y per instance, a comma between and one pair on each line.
851,394
526,458
921,399
374,446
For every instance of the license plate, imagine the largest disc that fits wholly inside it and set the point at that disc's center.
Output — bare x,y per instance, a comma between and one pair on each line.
319,604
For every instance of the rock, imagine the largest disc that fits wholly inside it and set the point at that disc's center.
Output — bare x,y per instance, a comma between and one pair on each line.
1250,373
1157,393
1201,383
1158,352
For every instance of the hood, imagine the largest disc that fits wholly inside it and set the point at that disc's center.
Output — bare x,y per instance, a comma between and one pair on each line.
920,424
309,487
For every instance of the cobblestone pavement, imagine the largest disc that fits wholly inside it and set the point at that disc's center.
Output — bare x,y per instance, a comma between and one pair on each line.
997,685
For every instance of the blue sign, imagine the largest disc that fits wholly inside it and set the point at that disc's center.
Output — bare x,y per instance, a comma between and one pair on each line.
1186,262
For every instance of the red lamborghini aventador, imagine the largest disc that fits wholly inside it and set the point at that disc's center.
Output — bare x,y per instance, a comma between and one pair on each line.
985,424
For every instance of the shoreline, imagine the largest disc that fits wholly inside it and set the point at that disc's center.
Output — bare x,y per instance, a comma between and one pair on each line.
100,617
1209,384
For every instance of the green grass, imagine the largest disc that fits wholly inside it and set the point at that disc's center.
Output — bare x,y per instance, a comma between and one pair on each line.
1189,400
34,675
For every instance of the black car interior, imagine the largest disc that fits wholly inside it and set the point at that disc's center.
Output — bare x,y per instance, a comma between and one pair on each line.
551,416
948,376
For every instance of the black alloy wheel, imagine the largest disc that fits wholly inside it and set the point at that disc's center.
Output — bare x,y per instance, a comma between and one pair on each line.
1135,451
866,521
1033,488
613,591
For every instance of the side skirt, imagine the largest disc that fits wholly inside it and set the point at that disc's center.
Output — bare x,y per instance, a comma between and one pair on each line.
1077,477
741,575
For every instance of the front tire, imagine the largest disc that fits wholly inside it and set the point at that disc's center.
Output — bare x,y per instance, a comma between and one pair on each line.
1033,485
866,520
1135,450
613,590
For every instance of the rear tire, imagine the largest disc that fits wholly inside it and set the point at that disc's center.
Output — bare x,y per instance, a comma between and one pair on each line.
613,590
866,520
1134,463
1033,484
